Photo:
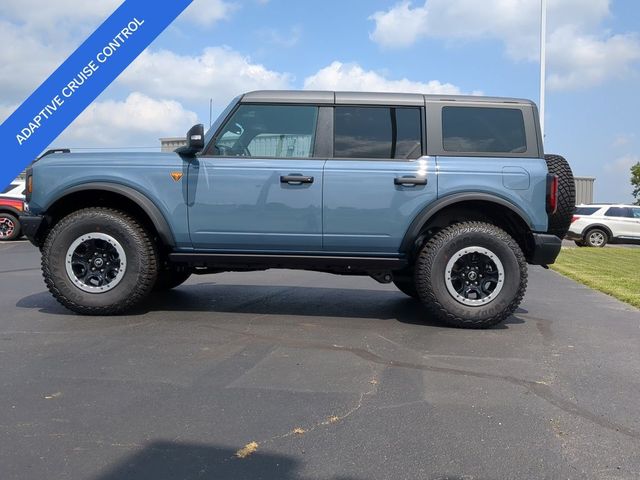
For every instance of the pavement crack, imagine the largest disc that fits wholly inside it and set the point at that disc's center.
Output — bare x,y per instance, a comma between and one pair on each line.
540,389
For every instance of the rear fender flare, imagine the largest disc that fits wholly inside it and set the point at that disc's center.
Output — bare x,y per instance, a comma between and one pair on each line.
428,212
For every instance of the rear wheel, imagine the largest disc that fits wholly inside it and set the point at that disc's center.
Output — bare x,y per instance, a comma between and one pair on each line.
99,261
596,237
560,221
9,227
471,275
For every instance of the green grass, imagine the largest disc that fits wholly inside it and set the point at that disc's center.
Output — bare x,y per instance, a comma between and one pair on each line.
615,271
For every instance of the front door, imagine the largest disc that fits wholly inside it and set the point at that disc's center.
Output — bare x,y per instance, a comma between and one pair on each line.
257,188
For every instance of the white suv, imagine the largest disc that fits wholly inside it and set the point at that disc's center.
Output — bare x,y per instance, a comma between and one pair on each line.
596,225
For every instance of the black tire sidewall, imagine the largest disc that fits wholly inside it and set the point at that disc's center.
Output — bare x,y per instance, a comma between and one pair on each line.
126,233
431,268
16,232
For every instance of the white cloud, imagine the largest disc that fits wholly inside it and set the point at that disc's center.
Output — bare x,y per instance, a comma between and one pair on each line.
580,54
351,76
137,121
622,139
622,164
219,73
208,12
579,60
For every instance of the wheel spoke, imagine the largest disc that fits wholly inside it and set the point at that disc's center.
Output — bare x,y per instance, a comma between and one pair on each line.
474,276
96,262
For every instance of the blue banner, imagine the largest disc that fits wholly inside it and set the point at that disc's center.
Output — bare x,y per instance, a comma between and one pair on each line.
80,79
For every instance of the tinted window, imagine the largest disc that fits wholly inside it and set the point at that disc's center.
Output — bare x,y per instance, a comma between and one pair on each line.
9,188
586,210
377,132
618,212
268,131
636,213
483,130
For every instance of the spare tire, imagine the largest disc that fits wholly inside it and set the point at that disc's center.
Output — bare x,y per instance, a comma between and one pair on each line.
560,221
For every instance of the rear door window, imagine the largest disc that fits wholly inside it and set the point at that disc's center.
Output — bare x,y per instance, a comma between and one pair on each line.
618,212
483,130
378,132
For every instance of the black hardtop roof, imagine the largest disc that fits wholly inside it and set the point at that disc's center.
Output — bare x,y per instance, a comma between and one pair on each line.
367,98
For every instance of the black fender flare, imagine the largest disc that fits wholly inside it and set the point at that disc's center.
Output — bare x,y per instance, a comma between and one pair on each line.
601,226
429,211
153,212
11,211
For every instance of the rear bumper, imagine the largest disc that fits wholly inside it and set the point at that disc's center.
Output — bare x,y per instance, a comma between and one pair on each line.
546,249
573,236
31,225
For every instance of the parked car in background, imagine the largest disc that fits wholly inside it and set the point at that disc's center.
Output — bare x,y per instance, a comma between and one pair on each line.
15,189
11,207
597,225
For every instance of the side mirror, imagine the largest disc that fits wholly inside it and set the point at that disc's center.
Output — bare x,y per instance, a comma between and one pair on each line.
195,141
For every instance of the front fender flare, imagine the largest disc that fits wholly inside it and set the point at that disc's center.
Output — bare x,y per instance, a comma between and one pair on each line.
153,212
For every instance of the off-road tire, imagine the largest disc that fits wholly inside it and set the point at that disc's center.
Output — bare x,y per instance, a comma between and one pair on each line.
169,278
141,270
406,284
16,227
430,270
588,239
560,221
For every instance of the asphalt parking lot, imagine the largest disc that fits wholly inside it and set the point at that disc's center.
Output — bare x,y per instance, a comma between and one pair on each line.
376,390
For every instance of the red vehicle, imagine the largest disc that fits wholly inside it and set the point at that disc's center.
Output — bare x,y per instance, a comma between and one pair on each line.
10,209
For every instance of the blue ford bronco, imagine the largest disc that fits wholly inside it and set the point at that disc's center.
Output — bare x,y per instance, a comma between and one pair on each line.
448,197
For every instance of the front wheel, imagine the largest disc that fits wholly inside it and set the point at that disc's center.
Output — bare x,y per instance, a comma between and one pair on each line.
99,261
471,275
9,227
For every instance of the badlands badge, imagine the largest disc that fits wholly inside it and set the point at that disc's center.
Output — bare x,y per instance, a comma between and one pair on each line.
176,176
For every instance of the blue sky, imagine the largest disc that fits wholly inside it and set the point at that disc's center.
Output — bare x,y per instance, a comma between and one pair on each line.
219,48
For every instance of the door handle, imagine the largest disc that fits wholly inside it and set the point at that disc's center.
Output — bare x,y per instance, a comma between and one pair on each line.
406,181
295,179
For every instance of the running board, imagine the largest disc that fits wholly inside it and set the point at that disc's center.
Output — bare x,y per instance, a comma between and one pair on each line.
304,262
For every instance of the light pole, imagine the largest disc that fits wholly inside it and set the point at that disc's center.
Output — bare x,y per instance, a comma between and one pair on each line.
543,59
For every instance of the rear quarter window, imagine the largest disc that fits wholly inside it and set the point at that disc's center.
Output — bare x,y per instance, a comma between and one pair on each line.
483,130
586,210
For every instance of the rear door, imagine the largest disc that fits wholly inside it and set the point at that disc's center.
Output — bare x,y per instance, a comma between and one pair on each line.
259,187
378,179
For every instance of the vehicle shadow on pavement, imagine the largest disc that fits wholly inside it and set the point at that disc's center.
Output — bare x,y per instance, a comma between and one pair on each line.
275,301
164,460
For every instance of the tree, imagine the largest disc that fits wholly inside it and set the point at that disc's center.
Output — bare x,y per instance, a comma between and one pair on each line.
635,182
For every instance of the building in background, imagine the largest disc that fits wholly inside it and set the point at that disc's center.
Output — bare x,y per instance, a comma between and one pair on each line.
169,144
584,189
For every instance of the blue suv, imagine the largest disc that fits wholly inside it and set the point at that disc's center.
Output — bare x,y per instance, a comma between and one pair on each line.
448,197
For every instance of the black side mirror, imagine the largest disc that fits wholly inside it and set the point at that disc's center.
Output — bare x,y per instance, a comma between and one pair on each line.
195,141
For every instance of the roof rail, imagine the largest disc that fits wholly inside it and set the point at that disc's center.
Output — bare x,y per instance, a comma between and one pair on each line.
54,150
